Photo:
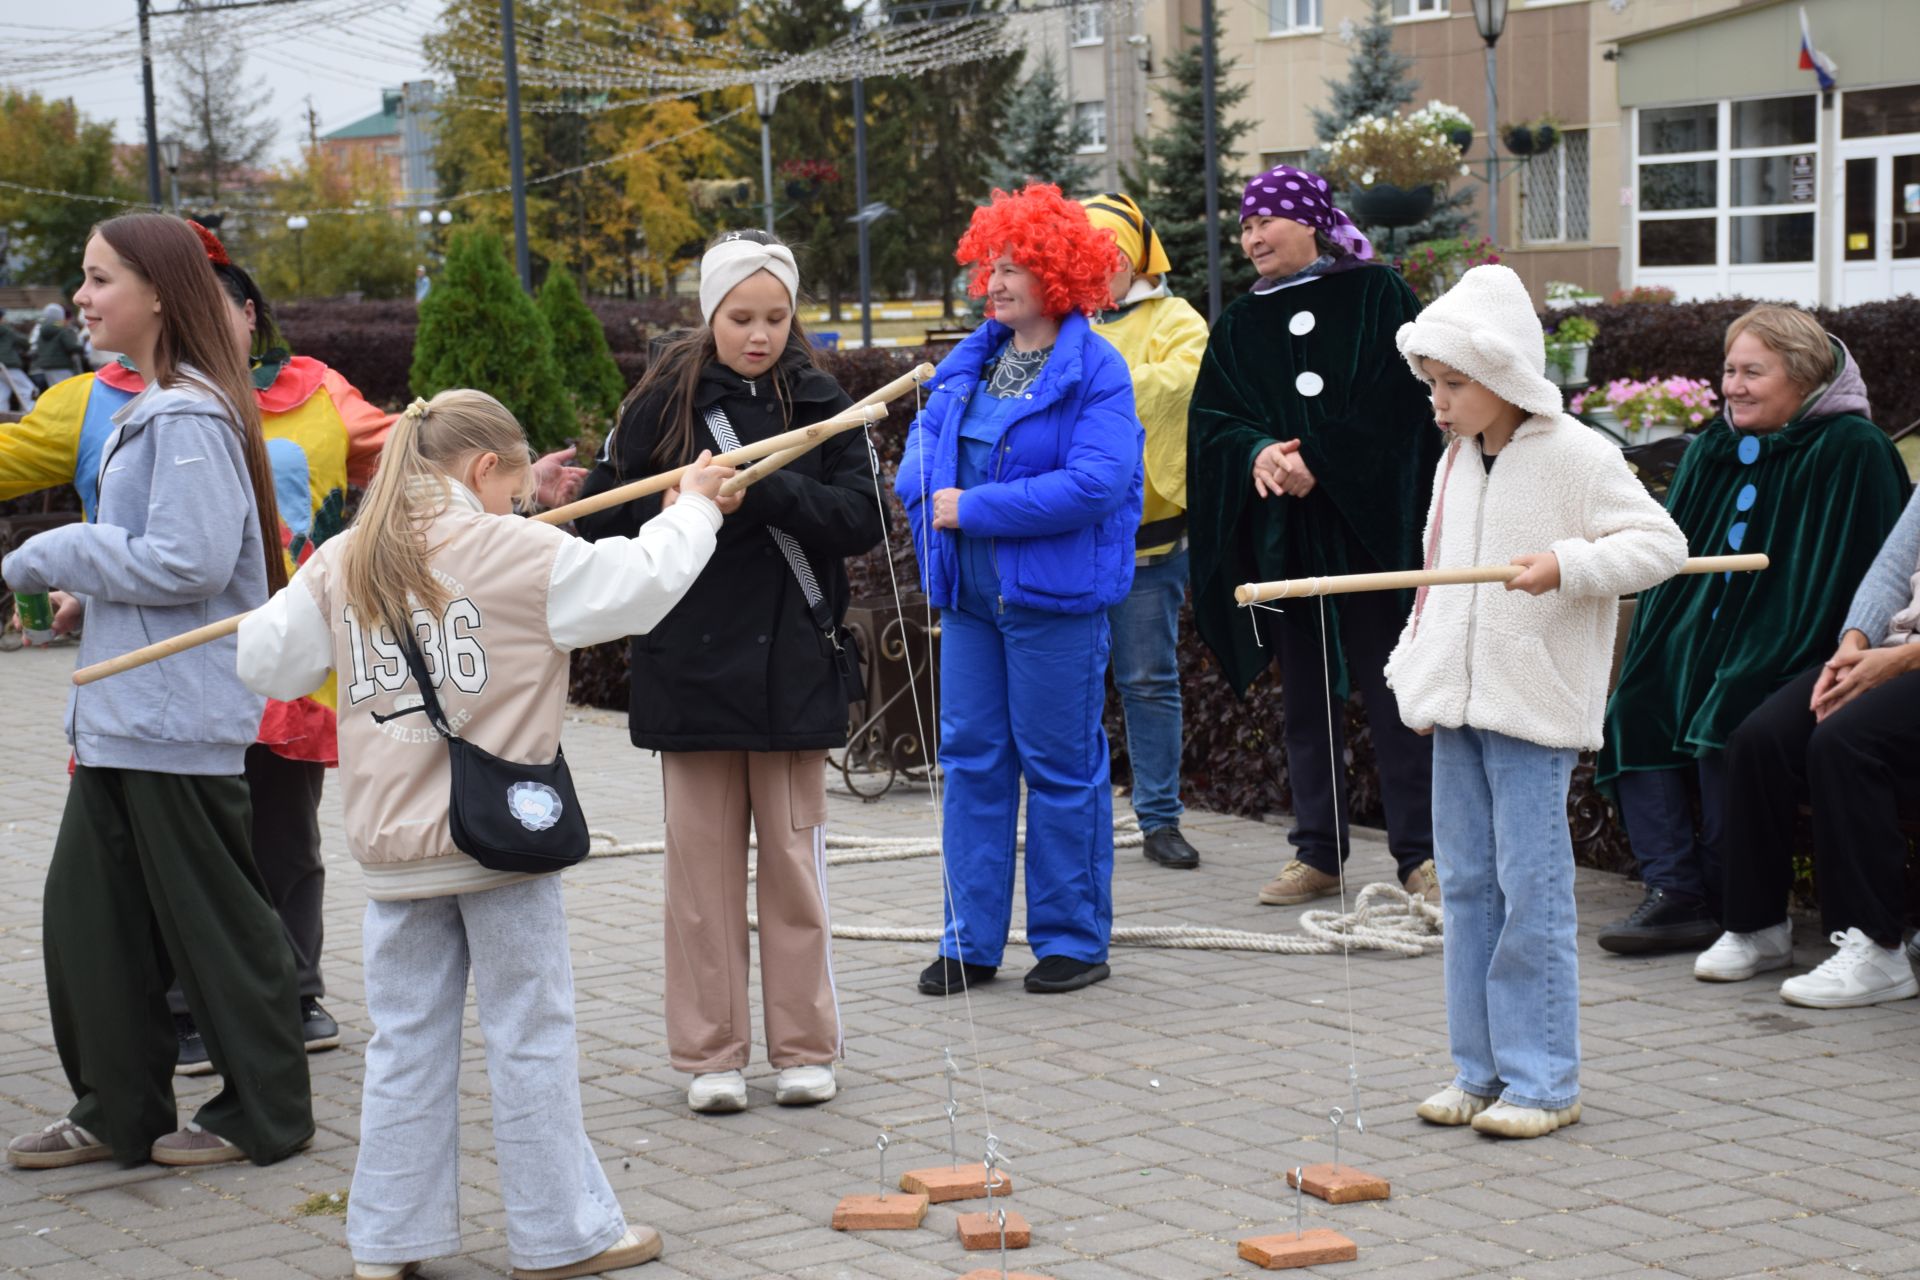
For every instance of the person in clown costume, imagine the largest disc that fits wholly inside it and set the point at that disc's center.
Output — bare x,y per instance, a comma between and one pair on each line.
323,437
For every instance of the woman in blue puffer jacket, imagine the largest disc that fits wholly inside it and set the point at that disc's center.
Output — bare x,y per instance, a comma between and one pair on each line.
1023,480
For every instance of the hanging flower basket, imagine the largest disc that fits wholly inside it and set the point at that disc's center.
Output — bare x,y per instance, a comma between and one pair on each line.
1519,139
1461,138
1385,205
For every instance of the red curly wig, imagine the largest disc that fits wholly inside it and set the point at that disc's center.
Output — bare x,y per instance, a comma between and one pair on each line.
1050,236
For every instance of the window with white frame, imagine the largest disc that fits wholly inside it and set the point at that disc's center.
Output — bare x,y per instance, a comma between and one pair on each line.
1269,159
1090,122
1420,8
1555,186
1287,16
1726,183
1089,23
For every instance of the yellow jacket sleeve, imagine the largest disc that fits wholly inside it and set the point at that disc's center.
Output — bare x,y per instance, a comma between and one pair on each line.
1163,378
42,449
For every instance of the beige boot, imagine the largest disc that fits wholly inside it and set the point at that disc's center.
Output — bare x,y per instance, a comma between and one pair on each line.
1425,881
1298,883
1453,1106
1504,1120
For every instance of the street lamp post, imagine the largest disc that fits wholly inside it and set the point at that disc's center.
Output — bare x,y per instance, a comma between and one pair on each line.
1490,17
765,94
170,157
298,225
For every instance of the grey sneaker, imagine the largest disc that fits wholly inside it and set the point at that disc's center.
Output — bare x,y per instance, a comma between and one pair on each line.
57,1146
193,1146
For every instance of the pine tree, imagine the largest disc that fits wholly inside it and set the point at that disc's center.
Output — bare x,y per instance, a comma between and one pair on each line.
1044,137
1172,173
1379,83
219,114
477,329
587,371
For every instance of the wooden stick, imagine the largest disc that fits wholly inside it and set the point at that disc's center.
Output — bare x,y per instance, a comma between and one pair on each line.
1257,592
793,443
898,387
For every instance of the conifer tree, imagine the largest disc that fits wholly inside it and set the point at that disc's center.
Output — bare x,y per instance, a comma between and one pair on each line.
477,329
1172,174
580,353
1044,137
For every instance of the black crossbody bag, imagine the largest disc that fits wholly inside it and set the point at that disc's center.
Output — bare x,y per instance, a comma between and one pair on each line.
505,816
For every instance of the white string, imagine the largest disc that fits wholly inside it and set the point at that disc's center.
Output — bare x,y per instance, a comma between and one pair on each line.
1340,853
934,781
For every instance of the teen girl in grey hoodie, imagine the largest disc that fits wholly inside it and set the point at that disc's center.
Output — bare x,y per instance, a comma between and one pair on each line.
152,876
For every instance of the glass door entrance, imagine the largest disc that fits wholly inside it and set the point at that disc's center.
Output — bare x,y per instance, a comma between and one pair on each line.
1879,248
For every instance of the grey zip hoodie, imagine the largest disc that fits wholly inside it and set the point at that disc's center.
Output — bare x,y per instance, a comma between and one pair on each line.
175,545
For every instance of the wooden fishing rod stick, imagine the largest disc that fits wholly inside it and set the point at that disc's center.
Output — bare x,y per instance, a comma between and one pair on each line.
893,390
1293,588
870,409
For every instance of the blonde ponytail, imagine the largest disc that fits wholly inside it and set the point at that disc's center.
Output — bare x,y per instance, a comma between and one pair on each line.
387,562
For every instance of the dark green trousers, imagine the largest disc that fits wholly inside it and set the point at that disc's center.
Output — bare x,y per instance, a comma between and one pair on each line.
153,878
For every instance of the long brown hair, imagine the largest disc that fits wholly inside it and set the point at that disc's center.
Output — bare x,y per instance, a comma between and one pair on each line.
388,562
196,331
676,367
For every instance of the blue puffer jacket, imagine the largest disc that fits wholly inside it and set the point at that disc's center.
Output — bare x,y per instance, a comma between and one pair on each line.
1069,475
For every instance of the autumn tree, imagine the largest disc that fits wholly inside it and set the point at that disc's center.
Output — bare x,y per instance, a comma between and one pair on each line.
219,114
49,143
372,252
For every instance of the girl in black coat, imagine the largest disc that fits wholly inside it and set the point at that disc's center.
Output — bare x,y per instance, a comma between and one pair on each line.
740,688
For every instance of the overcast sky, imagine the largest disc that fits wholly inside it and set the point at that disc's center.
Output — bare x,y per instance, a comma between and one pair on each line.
342,64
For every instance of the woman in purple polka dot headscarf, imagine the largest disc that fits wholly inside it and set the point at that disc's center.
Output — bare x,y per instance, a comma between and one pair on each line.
1311,451
1301,197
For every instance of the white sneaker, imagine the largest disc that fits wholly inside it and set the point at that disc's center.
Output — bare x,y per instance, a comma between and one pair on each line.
1860,973
718,1091
1738,956
804,1086
1453,1105
383,1270
1504,1120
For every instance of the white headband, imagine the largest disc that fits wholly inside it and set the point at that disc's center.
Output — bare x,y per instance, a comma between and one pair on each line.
731,261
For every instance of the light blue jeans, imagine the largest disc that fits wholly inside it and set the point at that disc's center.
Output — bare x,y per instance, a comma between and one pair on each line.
1505,858
405,1204
1146,670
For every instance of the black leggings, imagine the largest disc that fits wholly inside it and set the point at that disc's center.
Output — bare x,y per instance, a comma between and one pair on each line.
1854,768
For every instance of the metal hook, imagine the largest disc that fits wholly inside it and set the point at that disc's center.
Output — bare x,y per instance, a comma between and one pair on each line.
881,1144
1003,1244
1353,1086
953,1132
1299,1202
1336,1116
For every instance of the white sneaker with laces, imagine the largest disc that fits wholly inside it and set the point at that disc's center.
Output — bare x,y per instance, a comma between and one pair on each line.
1738,956
1860,973
804,1086
718,1091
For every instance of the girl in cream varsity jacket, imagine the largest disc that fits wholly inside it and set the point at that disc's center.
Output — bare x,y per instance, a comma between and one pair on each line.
1511,681
497,604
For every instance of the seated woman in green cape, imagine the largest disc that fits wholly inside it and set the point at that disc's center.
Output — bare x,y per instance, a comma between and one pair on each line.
1792,467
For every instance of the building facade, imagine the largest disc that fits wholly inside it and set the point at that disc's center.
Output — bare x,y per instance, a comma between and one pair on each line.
1802,199
398,138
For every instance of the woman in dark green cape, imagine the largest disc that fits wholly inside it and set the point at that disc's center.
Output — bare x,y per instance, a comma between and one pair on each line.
1311,451
1794,468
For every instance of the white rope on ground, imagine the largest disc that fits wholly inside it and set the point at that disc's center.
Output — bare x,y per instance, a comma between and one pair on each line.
1385,916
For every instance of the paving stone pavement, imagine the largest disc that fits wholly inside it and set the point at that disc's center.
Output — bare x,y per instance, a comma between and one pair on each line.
1149,1120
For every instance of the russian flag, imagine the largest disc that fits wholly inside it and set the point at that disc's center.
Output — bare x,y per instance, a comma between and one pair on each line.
1811,59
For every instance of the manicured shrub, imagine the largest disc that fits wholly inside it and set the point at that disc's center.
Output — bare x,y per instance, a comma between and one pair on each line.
587,371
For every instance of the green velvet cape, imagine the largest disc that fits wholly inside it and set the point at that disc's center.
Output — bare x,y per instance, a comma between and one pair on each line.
1705,651
1368,438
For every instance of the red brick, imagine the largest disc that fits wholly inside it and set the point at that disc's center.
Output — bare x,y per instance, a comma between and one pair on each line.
982,1231
1307,1249
879,1213
997,1274
954,1182
1341,1183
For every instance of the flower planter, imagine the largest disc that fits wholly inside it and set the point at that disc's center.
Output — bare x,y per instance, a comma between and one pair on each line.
1571,371
1461,138
1656,431
1607,423
1385,205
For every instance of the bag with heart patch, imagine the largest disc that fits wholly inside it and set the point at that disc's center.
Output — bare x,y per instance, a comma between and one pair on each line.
505,816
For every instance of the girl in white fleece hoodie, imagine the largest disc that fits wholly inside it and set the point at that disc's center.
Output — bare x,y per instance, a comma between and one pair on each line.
496,605
1512,683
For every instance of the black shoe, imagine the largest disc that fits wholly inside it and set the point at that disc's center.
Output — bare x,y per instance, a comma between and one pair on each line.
1055,974
1662,922
1166,846
943,976
193,1050
318,1029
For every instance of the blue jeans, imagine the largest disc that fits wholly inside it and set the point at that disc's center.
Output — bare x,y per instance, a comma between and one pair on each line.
1657,809
1023,692
1505,858
1146,670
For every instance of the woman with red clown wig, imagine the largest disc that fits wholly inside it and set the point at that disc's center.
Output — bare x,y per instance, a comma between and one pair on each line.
1023,481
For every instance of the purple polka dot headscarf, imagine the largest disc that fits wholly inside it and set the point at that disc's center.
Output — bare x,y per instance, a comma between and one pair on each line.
1286,192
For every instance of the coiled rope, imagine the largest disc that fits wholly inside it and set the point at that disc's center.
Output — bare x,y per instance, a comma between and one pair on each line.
1385,916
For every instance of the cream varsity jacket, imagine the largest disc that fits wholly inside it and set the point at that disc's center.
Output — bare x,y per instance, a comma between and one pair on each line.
522,596
1531,667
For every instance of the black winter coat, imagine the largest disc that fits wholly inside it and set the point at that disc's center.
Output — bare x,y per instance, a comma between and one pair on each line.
739,664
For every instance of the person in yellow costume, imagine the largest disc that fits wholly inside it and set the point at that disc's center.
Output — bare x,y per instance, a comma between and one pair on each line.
322,437
1163,339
